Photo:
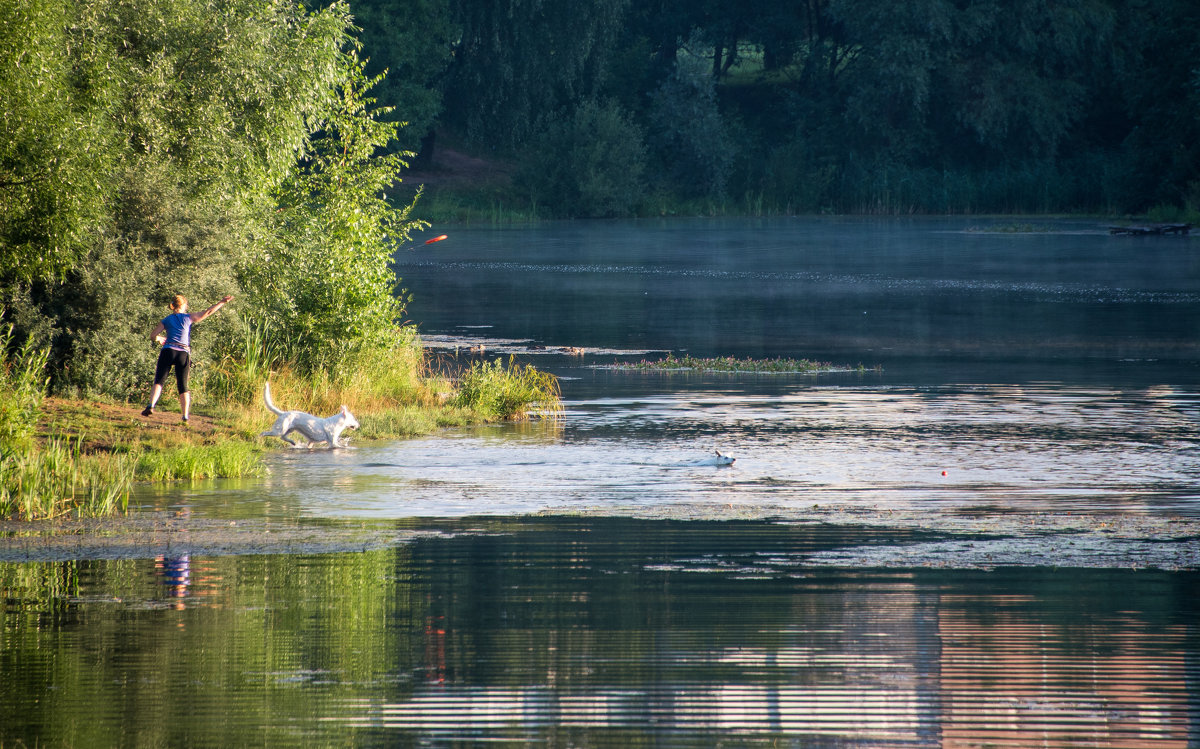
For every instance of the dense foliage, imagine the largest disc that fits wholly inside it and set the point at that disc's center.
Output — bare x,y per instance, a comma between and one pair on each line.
206,147
832,105
202,147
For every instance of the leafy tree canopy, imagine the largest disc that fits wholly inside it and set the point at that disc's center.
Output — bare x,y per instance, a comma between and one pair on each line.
1094,99
155,147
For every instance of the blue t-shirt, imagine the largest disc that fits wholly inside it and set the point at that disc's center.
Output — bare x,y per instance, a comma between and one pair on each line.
179,331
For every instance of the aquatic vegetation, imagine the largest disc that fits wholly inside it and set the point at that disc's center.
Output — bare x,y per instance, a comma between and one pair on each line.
496,391
58,479
1013,228
408,421
22,389
673,363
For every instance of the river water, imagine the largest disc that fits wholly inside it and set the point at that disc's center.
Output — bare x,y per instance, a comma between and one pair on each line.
965,542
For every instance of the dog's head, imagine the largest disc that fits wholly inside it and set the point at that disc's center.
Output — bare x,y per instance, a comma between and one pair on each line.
350,421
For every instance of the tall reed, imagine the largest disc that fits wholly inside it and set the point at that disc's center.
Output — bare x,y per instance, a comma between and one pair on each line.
58,480
238,376
496,391
22,389
54,478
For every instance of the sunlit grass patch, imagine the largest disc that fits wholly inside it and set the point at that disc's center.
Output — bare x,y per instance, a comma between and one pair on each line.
409,421
229,459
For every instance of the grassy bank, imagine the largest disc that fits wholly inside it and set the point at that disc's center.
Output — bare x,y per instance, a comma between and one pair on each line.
80,458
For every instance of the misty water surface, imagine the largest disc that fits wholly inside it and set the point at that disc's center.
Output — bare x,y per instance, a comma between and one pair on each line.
563,591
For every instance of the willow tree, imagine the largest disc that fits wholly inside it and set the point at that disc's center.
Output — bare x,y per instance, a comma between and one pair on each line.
57,141
146,147
324,285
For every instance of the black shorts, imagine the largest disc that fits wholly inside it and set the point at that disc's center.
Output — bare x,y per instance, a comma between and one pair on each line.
173,357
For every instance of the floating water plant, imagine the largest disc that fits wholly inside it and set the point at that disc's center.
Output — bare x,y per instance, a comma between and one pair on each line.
1015,228
674,363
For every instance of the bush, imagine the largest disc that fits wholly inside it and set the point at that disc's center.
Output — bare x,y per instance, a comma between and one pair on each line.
498,392
798,179
589,164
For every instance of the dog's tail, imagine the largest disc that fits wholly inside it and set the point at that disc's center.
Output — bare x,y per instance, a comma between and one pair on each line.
267,399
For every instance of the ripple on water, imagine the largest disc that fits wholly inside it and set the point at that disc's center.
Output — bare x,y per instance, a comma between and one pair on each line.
1028,448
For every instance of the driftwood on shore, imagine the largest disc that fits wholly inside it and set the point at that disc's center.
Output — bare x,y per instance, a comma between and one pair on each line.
1154,229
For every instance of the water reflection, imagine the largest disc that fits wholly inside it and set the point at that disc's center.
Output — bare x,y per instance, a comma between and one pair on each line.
590,633
863,658
176,575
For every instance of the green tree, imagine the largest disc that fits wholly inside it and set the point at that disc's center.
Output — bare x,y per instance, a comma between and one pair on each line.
688,132
520,61
1154,76
412,41
202,114
1014,78
885,83
57,140
324,288
590,163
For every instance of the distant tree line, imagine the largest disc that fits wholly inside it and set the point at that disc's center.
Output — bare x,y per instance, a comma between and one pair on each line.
612,106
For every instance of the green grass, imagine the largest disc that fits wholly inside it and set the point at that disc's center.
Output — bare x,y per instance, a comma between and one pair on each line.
199,461
409,421
1188,213
63,457
59,480
483,204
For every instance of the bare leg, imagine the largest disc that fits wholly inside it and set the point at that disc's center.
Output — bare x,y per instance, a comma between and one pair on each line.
155,394
185,402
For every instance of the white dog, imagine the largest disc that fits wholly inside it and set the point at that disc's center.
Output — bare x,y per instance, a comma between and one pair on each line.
316,430
717,459
722,460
